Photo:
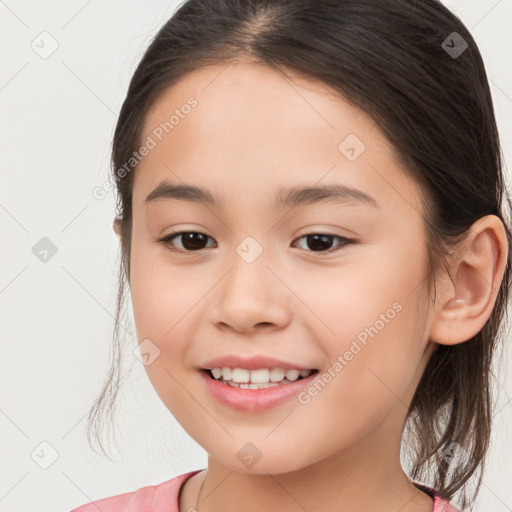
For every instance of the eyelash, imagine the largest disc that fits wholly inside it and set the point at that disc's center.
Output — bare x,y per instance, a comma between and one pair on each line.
165,241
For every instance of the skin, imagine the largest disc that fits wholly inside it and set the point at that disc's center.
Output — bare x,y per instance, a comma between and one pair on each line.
252,132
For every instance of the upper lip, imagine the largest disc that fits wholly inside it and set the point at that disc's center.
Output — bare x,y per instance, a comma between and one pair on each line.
251,363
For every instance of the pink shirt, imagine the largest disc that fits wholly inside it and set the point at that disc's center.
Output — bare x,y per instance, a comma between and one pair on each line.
164,498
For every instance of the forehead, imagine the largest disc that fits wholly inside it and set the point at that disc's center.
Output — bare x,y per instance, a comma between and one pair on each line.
259,100
253,125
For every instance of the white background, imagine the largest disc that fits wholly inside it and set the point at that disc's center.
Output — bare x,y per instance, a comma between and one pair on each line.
57,120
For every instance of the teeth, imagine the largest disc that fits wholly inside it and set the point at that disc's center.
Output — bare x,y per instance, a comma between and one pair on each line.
226,373
252,379
239,375
252,386
217,373
292,375
257,376
276,374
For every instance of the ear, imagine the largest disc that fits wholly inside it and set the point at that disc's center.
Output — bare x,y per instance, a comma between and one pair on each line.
466,303
117,226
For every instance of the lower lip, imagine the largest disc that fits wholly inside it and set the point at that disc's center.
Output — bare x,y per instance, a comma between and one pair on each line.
254,399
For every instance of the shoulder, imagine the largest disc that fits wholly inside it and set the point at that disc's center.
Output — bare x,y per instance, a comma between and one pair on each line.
152,498
440,504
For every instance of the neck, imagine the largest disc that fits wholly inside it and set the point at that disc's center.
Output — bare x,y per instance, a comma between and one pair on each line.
348,481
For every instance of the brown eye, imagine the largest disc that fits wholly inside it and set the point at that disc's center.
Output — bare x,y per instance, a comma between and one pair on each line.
322,242
191,241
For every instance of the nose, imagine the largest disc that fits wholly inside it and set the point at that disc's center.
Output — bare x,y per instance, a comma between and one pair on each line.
249,298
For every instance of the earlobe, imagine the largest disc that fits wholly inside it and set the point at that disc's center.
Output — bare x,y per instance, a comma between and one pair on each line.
466,304
117,226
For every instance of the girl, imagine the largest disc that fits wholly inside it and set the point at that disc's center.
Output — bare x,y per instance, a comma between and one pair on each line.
337,164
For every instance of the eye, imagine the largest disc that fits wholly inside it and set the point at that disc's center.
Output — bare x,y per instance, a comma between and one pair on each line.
321,241
193,241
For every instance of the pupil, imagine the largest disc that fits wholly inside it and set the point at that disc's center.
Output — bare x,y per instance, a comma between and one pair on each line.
319,242
190,240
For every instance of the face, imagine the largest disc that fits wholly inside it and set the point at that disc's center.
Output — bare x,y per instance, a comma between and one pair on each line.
333,284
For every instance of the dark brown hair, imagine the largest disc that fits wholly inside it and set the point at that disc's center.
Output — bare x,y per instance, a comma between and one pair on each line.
392,59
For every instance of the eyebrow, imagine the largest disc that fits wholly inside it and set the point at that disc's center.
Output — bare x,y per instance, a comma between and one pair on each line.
293,196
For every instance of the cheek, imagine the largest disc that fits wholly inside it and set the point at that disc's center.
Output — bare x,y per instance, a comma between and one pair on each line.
366,314
163,299
352,296
162,293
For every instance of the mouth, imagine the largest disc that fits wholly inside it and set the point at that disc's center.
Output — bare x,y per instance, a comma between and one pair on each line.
245,380
255,390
